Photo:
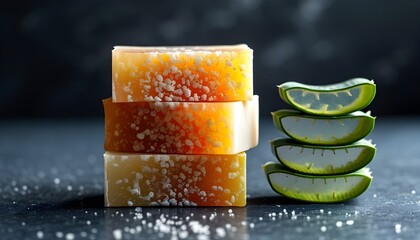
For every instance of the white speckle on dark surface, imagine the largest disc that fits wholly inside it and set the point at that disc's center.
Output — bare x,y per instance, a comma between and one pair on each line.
70,236
398,228
350,222
57,181
117,233
39,234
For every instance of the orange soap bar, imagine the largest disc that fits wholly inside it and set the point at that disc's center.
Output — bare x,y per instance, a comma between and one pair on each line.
205,74
181,127
174,180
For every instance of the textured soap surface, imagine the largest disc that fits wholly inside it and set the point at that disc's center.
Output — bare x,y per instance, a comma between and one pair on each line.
174,180
181,127
207,73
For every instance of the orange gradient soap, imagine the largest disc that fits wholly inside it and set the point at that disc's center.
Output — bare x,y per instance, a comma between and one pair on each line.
174,180
202,73
181,127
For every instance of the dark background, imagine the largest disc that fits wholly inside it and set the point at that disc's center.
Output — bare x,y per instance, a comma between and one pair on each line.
56,55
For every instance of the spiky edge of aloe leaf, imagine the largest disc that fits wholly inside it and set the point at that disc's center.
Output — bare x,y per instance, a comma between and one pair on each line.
351,83
271,167
279,142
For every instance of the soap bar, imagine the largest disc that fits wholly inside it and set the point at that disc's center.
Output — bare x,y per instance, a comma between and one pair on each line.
206,73
181,127
174,180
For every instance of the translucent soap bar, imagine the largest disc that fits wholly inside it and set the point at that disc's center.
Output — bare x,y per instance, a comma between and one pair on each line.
181,127
203,73
174,180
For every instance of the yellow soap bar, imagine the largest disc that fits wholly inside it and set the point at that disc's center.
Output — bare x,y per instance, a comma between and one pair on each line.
206,73
181,127
174,180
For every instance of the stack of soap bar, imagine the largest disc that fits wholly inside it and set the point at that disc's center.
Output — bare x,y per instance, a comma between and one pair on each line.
177,126
324,160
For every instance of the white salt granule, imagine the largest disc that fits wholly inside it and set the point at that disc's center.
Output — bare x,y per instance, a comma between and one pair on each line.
397,228
59,234
70,236
56,180
40,234
220,232
117,233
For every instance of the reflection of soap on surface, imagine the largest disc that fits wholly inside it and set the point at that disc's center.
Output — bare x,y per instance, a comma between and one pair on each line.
174,180
202,73
181,127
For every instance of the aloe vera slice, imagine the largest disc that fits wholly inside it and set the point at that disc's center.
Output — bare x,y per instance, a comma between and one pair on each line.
329,100
319,189
324,130
324,160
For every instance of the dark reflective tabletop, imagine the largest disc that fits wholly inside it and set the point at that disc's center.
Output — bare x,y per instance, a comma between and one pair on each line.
51,187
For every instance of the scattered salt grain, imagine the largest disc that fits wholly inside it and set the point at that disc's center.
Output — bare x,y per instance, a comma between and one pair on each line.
397,228
39,234
117,233
57,181
220,232
323,228
183,234
349,222
70,236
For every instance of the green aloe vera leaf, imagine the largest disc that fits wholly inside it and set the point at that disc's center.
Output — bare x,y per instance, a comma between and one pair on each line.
317,188
324,130
329,100
323,160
